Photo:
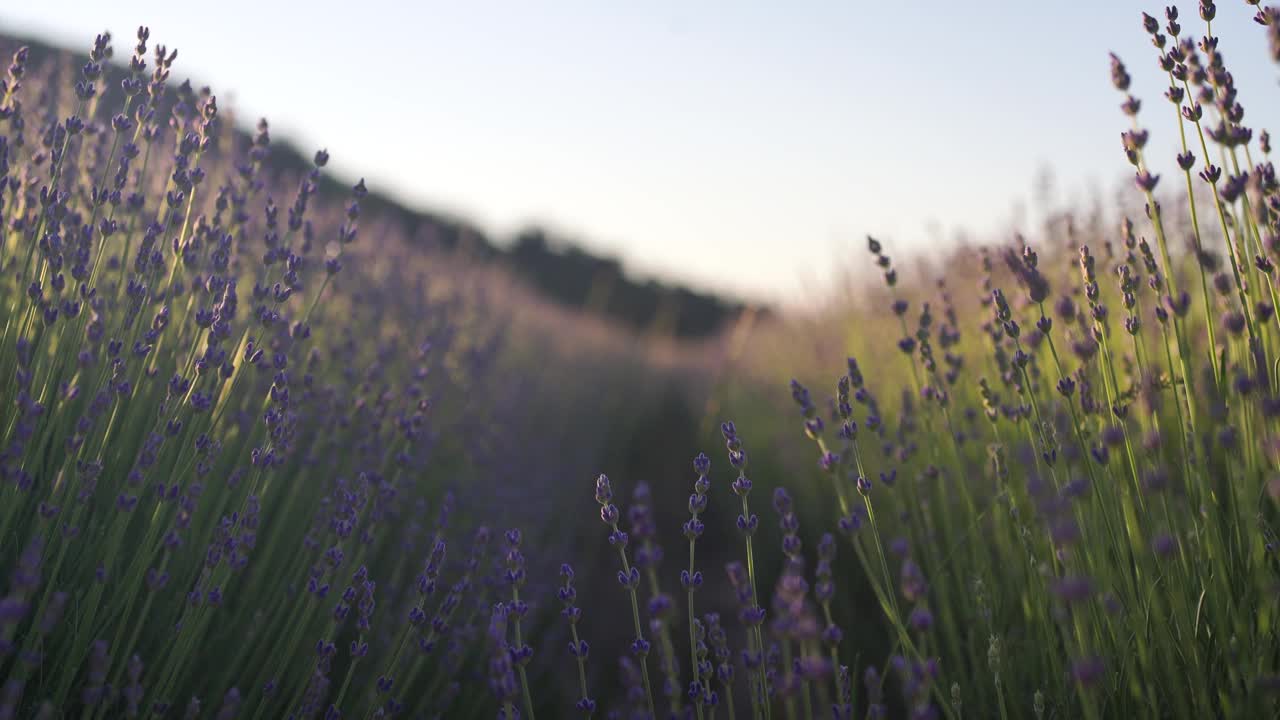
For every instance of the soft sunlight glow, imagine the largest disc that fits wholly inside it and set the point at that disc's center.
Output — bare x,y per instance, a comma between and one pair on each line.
726,144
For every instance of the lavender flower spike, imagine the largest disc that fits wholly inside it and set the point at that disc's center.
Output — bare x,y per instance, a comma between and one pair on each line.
628,577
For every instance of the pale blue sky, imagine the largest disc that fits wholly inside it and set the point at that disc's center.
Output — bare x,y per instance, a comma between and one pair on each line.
743,146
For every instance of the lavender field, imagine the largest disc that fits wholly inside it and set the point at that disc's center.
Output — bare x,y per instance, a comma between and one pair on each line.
267,451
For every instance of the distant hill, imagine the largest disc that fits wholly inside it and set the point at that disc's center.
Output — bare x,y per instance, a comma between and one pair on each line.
554,266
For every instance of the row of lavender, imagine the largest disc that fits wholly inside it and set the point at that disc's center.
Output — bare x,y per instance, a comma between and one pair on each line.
224,473
1063,492
246,507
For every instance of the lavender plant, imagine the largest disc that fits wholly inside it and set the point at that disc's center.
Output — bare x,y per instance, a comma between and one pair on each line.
207,434
248,467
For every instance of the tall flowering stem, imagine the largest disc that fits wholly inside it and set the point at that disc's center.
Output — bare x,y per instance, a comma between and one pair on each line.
628,577
691,579
851,519
578,647
1174,64
789,602
648,557
824,590
1134,142
502,679
718,640
753,614
521,653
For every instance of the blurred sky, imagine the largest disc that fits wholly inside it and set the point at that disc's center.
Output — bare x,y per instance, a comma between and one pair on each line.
741,145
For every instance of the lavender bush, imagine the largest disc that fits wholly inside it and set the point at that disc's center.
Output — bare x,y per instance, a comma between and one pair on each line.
225,486
249,466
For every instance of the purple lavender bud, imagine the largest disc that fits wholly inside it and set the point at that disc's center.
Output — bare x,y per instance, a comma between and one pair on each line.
781,500
850,523
832,635
1180,305
1228,437
1150,24
1223,283
829,461
1119,77
864,485
702,464
912,582
609,514
1087,671
1264,311
629,579
900,546
604,491
1113,436
1234,322
921,620
1073,589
